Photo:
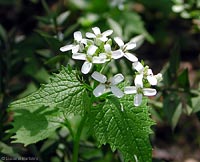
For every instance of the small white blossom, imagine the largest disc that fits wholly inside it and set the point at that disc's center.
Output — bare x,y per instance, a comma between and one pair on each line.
98,35
90,58
78,44
152,79
123,51
107,84
109,53
138,90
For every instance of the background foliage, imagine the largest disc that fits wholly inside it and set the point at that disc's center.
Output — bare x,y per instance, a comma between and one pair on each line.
31,33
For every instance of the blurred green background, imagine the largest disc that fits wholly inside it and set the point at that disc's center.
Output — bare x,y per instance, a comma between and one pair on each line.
32,31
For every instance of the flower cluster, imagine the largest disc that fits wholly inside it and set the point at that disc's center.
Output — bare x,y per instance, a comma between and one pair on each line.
143,75
96,49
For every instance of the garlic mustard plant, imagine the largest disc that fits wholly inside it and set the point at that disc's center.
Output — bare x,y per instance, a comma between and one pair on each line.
97,55
110,104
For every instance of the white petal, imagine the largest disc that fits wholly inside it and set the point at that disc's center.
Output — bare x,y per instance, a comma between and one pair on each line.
149,92
103,55
138,66
75,49
99,90
138,99
79,56
130,90
90,35
130,57
138,81
103,39
86,67
116,91
117,79
130,45
66,48
107,33
91,50
117,54
152,80
99,77
159,77
119,41
99,60
107,48
85,41
96,30
149,72
78,36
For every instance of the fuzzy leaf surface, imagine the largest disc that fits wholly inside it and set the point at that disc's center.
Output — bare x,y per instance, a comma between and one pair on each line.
124,127
64,91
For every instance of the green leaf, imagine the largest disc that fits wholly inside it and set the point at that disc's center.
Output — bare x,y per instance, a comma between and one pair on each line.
134,24
174,60
64,91
3,33
89,19
44,20
196,103
8,150
124,127
183,80
38,115
52,41
62,17
170,104
176,116
35,124
115,26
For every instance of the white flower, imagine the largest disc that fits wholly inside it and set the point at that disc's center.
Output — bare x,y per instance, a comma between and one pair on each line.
123,51
90,58
109,53
78,43
107,84
138,90
98,35
152,79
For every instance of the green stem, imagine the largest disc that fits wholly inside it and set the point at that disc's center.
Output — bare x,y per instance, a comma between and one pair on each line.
46,7
77,140
68,125
102,69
